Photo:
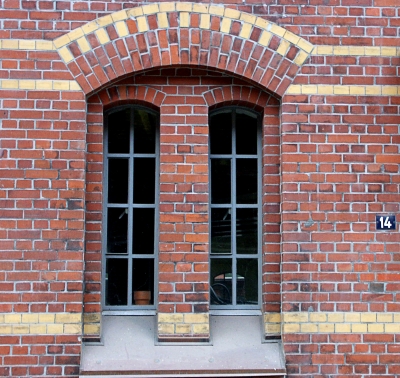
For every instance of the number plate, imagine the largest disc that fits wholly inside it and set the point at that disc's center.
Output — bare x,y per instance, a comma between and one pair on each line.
385,222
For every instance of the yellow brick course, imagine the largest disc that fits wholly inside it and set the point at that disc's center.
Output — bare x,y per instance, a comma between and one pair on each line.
367,90
179,324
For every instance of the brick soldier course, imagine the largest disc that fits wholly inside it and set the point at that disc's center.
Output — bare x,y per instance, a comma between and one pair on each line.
325,78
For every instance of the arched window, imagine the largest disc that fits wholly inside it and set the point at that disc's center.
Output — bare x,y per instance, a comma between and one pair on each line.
235,209
131,161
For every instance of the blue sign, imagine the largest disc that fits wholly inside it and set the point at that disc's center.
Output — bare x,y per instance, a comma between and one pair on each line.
385,222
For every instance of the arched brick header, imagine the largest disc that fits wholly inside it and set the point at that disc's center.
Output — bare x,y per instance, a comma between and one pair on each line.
180,33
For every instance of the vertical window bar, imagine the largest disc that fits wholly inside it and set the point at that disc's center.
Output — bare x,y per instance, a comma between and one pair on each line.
233,205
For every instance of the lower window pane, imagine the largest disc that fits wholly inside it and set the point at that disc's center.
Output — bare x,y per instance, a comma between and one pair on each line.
117,230
246,231
247,282
143,231
116,282
221,282
143,282
221,231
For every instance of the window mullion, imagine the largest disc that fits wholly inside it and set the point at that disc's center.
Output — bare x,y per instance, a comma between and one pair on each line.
233,205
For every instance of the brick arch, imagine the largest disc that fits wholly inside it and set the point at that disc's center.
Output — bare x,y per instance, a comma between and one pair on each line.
178,34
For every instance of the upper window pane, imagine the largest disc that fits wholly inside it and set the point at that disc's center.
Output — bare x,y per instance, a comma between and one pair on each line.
221,133
221,181
145,132
118,132
246,133
144,180
118,180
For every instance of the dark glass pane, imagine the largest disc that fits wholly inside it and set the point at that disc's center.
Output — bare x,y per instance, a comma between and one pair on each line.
247,281
118,132
143,231
221,133
220,181
144,132
116,282
246,181
246,133
221,230
118,175
144,184
246,231
143,281
117,230
221,281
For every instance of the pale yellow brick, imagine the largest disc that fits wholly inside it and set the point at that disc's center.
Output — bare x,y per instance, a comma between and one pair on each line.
200,8
66,54
75,34
372,50
305,45
162,20
10,44
45,45
374,90
216,10
91,329
5,329
335,317
1,318
170,318
94,317
184,19
30,318
166,329
120,15
167,7
341,89
340,50
368,317
342,328
392,328
274,28
20,329
196,318
121,28
294,89
308,328
376,328
55,329
104,21
352,317
396,318
90,27
74,86
357,90
10,84
323,50
246,30
309,89
232,13
61,41
37,329
326,328
183,7
205,20
135,12
388,51
291,328
317,317
390,90
248,18
102,36
84,44
12,318
61,85
291,37
283,47
27,44
72,329
295,317
46,318
272,328
44,84
260,22
359,328
272,317
300,58
27,84
150,8
183,328
265,38
226,25
142,24
356,50
384,317
68,318
201,329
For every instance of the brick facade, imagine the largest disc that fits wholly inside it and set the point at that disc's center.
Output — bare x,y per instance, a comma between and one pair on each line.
325,79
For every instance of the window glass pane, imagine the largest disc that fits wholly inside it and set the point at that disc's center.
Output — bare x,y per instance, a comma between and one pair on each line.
220,181
143,231
247,281
144,180
116,282
246,133
246,231
221,133
144,132
221,230
221,281
118,132
143,281
118,180
117,230
246,181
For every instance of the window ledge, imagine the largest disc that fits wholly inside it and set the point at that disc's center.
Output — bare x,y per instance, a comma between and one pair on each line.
129,350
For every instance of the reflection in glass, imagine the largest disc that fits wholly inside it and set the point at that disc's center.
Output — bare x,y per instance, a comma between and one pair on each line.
118,180
246,181
247,282
116,282
144,132
221,281
143,231
246,231
117,230
221,230
246,133
144,180
220,181
221,133
118,132
143,281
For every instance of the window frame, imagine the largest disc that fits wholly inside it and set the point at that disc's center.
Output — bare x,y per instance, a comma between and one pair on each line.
129,309
235,309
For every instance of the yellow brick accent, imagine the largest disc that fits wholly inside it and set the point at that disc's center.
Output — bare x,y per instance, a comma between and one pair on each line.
196,318
232,13
392,328
205,21
372,50
305,45
62,41
183,7
184,19
166,329
121,28
5,330
317,317
91,329
283,47
150,9
30,318
84,44
65,54
72,329
10,44
309,89
167,7
104,21
142,24
300,58
47,318
120,15
260,22
61,85
265,38
390,90
342,328
200,8
68,318
27,44
360,90
216,10
335,317
308,328
92,317
20,329
12,318
162,20
352,317
183,328
291,328
272,317
373,90
341,89
27,84
246,30
170,318
45,45
291,37
201,329
277,30
341,50
368,317
55,329
75,34
375,328
367,90
326,328
102,36
384,318
37,329
226,25
248,18
135,12
90,27
295,317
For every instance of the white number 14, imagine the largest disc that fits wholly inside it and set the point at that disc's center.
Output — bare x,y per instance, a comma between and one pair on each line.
385,222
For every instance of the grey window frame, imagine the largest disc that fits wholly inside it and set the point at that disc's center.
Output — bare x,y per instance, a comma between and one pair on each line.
239,308
130,308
